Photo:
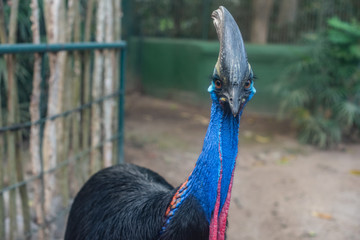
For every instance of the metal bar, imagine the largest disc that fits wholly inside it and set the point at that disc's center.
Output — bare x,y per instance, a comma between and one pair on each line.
41,48
121,108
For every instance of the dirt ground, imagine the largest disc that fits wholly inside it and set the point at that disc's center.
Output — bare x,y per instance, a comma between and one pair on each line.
282,190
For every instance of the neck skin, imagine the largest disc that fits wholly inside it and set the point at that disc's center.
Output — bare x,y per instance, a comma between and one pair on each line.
211,180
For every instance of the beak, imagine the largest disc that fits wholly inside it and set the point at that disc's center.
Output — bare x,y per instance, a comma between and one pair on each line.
235,101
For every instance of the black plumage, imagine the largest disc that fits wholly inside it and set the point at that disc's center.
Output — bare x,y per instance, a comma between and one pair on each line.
129,202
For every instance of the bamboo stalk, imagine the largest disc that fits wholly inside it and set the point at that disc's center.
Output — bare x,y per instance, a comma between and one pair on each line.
22,189
108,85
3,37
76,99
35,115
63,176
12,106
11,141
53,145
20,175
67,80
86,114
116,69
97,91
50,131
2,153
16,117
12,180
3,40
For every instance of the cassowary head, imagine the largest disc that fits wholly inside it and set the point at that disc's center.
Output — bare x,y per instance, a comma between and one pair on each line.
232,80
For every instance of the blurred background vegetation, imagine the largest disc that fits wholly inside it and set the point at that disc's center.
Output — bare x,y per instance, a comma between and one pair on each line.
284,21
323,89
304,52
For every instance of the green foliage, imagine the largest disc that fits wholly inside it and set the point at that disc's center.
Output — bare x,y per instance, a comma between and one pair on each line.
322,92
191,18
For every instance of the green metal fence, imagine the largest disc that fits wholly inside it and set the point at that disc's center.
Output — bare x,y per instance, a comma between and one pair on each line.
117,137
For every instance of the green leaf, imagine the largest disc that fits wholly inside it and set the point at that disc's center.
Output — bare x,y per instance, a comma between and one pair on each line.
355,50
352,29
348,112
338,37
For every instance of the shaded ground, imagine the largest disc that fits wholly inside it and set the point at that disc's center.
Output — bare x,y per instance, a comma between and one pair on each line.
282,190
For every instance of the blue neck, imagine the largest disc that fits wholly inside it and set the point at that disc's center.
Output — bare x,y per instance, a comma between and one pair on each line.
217,158
216,161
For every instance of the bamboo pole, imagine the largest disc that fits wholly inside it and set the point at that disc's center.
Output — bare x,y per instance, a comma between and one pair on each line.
35,115
3,37
108,85
50,131
3,40
2,153
22,189
12,106
16,118
67,80
86,114
15,164
76,118
52,144
95,158
117,37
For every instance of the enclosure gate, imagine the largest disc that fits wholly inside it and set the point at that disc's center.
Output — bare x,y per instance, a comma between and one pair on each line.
119,93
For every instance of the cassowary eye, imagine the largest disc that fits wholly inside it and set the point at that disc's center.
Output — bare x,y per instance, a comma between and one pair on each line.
218,84
247,84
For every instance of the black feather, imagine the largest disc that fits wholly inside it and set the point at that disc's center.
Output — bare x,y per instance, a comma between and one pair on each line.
129,202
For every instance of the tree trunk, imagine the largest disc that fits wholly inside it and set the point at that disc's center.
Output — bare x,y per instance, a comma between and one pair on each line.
177,8
286,19
261,11
97,90
288,12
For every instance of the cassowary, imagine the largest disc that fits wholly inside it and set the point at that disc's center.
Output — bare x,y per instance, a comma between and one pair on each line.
131,202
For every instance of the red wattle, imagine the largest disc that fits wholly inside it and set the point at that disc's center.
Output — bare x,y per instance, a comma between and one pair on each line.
224,211
214,220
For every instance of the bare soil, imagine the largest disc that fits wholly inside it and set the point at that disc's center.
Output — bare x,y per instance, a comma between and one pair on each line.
282,190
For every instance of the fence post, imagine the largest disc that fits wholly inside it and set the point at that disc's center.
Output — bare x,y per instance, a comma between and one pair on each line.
121,107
